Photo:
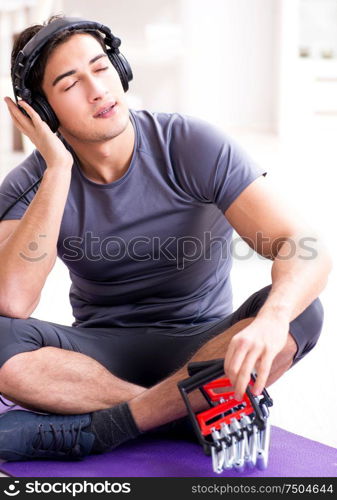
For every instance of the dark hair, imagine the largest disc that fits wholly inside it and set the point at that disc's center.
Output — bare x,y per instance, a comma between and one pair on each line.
35,77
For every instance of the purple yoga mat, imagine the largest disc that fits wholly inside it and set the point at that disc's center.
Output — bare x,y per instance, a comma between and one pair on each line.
161,456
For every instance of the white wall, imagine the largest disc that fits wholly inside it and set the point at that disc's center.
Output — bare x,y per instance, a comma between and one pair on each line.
225,69
231,72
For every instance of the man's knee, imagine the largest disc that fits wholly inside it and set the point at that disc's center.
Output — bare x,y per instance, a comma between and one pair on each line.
14,369
307,327
219,340
21,336
17,336
288,353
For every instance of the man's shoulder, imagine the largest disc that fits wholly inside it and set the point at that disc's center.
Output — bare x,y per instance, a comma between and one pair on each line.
28,170
162,117
147,119
175,127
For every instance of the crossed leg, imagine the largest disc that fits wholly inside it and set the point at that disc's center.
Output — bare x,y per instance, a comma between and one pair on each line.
60,381
163,403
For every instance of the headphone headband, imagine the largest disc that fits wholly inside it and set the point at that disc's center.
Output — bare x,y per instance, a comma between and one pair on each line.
27,57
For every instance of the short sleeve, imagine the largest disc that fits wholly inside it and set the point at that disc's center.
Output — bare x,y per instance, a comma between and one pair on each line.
210,165
16,182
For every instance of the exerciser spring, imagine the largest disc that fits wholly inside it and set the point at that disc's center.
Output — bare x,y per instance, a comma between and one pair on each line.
235,433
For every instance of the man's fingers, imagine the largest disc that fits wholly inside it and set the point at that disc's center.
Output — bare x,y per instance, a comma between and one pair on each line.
237,347
15,112
245,372
33,115
237,351
233,361
263,372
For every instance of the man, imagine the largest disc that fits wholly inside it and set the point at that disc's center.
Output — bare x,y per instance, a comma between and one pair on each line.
135,204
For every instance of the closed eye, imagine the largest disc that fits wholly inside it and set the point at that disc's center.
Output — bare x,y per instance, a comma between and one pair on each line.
96,71
71,86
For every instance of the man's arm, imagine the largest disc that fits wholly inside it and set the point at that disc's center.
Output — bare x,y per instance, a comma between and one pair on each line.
300,269
28,253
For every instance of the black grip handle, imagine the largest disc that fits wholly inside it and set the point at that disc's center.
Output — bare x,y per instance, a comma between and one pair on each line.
214,369
197,366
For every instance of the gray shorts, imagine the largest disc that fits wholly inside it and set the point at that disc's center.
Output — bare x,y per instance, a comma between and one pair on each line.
142,355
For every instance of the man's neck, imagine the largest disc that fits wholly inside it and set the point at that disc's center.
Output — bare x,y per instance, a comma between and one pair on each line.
108,161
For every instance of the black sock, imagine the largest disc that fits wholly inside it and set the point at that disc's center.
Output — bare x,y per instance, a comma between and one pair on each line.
112,427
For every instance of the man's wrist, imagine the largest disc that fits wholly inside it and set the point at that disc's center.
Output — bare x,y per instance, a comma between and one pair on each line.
58,169
275,312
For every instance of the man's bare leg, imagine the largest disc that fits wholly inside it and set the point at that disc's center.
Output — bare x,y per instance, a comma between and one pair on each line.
74,383
60,381
163,403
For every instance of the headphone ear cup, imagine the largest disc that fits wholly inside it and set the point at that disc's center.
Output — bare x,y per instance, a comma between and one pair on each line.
122,67
126,67
42,107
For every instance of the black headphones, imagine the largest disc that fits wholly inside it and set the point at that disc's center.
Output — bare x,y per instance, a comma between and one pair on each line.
27,57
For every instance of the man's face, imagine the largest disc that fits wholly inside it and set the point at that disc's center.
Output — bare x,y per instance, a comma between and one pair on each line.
93,85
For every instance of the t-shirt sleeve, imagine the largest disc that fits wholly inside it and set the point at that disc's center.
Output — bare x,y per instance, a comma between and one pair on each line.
210,165
16,182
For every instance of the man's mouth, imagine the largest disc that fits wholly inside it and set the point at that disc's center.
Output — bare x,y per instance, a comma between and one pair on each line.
105,111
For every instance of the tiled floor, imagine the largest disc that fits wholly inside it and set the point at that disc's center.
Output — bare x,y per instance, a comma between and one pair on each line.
302,170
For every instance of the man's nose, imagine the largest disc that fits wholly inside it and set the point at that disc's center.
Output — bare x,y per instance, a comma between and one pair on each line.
96,89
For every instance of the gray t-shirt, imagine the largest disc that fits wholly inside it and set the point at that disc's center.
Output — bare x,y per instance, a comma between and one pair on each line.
153,247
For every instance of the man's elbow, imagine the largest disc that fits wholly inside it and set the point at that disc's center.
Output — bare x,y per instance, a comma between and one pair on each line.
12,312
17,308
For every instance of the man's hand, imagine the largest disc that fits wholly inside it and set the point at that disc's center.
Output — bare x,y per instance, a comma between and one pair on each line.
46,142
255,347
